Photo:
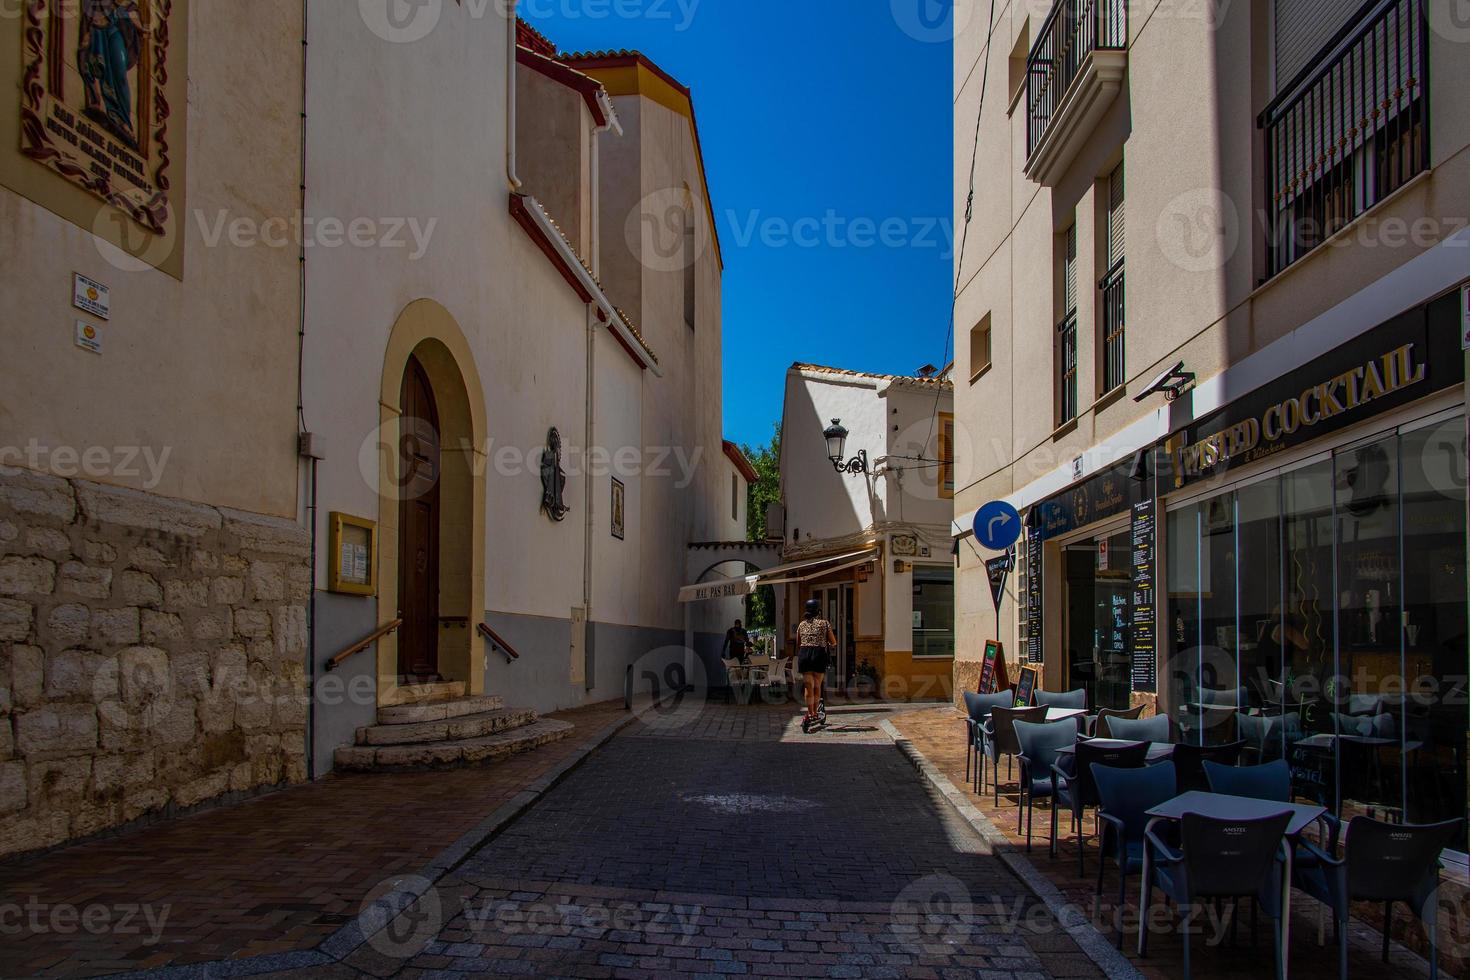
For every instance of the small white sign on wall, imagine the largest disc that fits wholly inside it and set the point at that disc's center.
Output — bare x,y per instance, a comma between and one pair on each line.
89,338
90,296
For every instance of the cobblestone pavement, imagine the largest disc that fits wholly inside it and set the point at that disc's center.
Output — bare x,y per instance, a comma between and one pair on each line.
725,842
277,873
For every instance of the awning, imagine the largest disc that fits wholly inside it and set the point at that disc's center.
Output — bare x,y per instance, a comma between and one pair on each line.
797,571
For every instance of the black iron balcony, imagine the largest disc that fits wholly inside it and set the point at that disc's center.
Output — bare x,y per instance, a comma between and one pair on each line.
1348,131
1074,71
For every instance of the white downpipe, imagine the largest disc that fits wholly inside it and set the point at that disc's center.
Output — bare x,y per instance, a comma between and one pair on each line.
590,431
510,97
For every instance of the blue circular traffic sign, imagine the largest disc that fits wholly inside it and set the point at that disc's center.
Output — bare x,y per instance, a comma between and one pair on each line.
997,525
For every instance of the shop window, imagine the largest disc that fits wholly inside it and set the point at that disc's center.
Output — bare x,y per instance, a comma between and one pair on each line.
1319,616
933,611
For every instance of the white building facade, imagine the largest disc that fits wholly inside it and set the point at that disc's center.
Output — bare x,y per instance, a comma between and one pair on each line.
871,541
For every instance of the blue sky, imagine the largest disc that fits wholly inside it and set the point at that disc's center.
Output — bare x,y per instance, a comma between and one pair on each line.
821,120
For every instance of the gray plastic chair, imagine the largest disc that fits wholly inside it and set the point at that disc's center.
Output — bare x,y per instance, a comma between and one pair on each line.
1154,729
1384,862
977,709
1039,744
1062,699
1000,736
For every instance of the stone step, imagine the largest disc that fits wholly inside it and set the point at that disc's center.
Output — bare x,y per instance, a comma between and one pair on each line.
465,726
452,754
407,714
420,693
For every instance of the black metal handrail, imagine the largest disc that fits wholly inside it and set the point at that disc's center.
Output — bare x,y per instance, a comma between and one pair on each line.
1349,130
1072,31
1114,303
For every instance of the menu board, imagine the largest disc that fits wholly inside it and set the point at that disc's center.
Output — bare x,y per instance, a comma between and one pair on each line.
1026,687
1033,598
1144,614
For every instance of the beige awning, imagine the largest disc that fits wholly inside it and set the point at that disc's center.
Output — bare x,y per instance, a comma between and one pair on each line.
797,571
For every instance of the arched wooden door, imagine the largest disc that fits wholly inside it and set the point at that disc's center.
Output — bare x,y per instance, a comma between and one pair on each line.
418,526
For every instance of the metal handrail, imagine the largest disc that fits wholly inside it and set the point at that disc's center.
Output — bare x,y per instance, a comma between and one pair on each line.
496,642
363,644
1072,30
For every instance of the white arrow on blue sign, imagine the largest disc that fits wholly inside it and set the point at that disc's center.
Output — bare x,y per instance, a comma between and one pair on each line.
997,526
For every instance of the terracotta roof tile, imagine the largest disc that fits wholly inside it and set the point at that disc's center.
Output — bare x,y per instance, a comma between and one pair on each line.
897,378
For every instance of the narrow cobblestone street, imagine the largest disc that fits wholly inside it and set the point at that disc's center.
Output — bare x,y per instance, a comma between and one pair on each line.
728,843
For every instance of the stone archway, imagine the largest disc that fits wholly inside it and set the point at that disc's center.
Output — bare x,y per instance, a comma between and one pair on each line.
427,344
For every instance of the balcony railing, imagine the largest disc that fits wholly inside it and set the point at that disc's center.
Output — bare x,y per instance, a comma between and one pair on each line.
1350,130
1067,369
1072,31
1113,305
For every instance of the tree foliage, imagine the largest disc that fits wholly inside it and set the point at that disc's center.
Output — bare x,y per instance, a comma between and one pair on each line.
761,607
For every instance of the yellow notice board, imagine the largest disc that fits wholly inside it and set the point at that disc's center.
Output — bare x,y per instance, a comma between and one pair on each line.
352,555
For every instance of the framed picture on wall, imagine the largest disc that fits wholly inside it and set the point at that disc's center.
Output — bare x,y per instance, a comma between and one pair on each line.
619,495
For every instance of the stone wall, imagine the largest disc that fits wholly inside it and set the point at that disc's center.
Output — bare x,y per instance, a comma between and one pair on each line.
152,656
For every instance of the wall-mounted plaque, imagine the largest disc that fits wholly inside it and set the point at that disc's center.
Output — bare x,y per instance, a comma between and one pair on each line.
352,555
619,500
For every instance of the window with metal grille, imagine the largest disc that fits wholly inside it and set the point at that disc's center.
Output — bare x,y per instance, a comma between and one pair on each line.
1066,343
1114,372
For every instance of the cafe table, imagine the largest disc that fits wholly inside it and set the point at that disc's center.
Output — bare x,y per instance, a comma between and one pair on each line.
1220,806
1059,714
1157,751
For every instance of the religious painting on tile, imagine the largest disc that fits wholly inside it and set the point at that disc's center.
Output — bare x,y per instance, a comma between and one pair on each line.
94,106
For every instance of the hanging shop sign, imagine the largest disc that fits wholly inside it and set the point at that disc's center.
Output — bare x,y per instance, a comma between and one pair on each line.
1407,358
996,570
1110,493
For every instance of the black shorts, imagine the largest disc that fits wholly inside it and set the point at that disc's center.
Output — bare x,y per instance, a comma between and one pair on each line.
812,660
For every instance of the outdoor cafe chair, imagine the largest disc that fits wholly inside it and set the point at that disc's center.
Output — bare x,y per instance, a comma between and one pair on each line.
977,709
1383,862
1077,789
1189,763
1098,723
1217,859
737,671
1062,699
1125,797
999,738
760,669
1153,729
1040,744
1270,781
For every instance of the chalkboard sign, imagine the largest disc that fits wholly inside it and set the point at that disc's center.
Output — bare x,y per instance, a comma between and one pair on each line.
1313,774
1144,613
993,674
1026,686
1033,598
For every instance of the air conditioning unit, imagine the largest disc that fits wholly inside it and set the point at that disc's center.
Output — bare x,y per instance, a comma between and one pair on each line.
775,521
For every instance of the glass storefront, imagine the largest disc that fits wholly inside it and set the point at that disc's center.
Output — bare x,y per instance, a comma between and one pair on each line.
933,611
1318,614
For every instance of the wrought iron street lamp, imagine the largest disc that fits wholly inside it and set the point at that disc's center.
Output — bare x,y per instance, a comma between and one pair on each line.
836,437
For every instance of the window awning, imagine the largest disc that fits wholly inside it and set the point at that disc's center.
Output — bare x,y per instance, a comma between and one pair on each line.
797,571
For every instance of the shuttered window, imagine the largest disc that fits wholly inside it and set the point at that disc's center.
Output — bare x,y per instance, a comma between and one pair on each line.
1116,233
1303,28
1069,272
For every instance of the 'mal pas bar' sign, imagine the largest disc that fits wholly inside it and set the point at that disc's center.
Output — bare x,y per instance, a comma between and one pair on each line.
95,100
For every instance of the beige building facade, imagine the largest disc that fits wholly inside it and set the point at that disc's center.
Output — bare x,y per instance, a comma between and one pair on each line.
154,579
307,415
1209,344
